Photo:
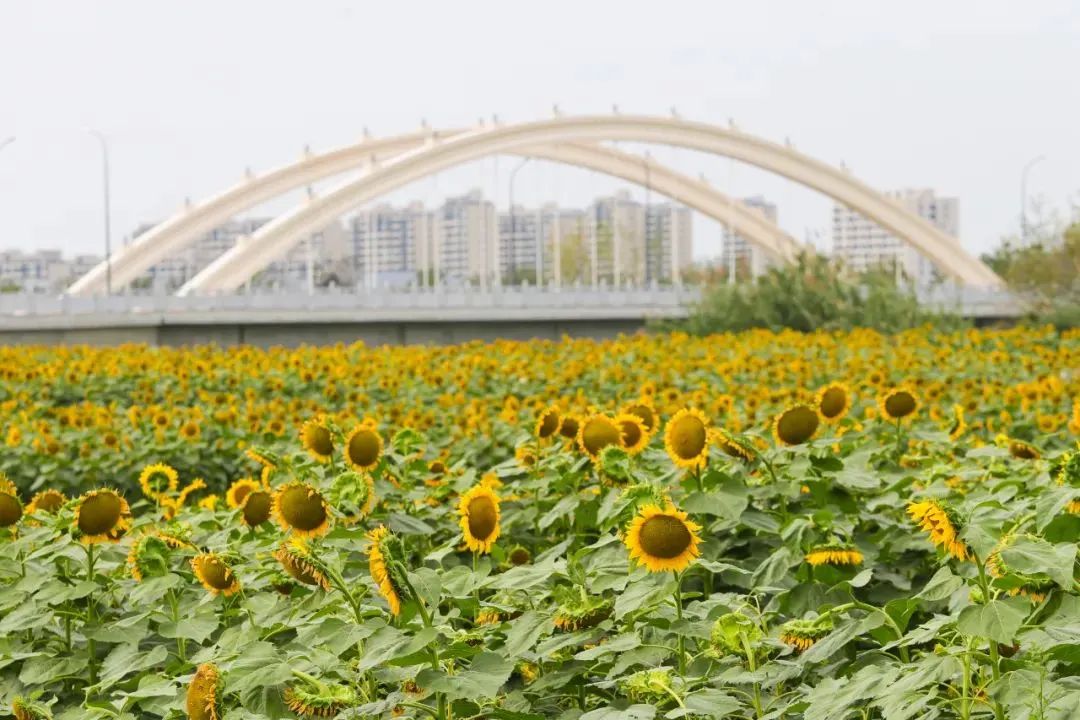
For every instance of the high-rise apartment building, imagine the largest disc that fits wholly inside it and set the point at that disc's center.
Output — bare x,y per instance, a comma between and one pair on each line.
863,245
748,259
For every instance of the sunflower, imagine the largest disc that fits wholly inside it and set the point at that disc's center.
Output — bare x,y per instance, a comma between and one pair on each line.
49,501
263,457
519,555
210,502
732,445
1034,586
204,693
296,557
215,574
318,699
1023,451
802,634
354,494
239,491
834,554
148,557
158,480
898,404
577,610
569,427
634,436
317,439
300,507
190,431
662,539
942,525
547,423
257,507
24,709
102,516
525,454
959,427
686,438
385,554
479,511
643,409
596,433
11,509
363,447
833,402
796,425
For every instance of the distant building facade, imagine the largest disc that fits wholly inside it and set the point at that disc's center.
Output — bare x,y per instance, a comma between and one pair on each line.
749,259
863,245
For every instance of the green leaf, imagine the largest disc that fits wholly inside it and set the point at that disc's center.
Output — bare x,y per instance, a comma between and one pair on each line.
620,643
1034,555
404,524
486,675
941,586
707,702
997,620
634,712
524,633
643,594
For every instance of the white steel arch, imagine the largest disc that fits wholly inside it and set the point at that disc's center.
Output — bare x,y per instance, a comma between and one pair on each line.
165,239
233,268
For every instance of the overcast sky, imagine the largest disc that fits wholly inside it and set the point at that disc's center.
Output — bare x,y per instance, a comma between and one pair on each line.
957,96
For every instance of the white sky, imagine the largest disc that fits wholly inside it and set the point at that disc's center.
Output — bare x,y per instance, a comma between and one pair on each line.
952,95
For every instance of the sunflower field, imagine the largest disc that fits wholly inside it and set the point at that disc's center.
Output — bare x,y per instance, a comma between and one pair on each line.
757,525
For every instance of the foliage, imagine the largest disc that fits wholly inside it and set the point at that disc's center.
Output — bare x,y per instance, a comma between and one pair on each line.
815,592
1046,273
812,294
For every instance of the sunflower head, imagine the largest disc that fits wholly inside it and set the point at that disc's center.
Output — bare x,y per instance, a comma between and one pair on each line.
733,445
959,426
796,425
570,426
158,481
1022,450
386,562
898,404
833,402
11,509
802,634
480,515
645,411
519,555
526,454
102,516
729,633
204,693
834,554
26,709
547,423
300,507
596,433
215,574
578,610
686,438
239,490
298,559
653,686
263,457
48,501
318,700
1034,586
662,538
148,557
257,507
317,437
634,436
353,493
363,447
942,524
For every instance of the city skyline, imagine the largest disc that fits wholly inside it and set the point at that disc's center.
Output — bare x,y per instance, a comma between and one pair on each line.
770,78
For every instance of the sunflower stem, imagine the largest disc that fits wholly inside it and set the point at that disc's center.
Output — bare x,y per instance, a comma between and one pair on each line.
995,661
91,646
751,662
679,615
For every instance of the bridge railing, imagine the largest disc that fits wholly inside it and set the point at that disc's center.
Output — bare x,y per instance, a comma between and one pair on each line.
511,297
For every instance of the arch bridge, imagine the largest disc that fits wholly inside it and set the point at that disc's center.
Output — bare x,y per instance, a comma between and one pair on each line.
387,164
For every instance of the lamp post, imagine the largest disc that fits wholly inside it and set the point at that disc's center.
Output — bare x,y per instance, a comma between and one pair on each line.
513,223
1023,196
108,219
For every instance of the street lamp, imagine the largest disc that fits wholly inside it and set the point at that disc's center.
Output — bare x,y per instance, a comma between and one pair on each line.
108,220
1023,196
513,224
